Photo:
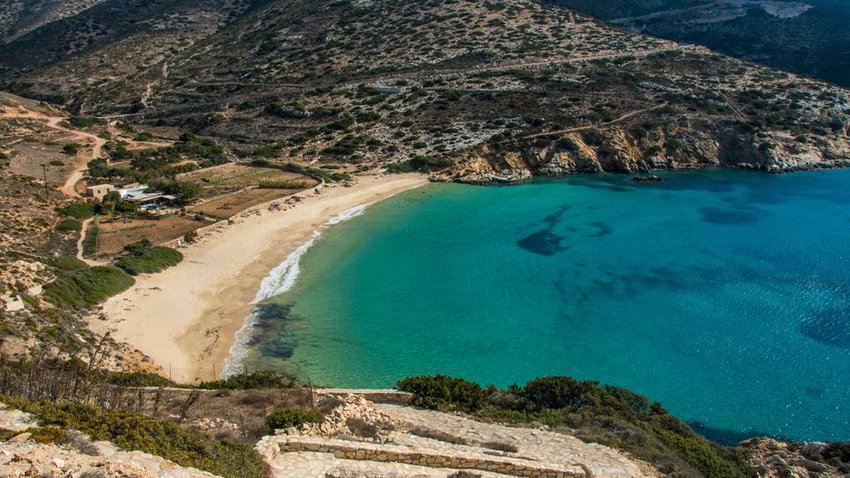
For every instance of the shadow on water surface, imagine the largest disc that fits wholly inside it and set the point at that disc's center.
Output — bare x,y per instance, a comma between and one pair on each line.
830,327
727,437
270,335
545,242
729,217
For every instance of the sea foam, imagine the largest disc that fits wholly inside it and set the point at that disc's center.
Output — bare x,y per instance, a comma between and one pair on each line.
279,280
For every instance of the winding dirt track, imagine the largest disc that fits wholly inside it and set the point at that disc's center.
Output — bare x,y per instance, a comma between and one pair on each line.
52,122
77,175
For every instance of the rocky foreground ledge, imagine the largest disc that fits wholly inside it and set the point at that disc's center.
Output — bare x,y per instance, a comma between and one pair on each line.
361,438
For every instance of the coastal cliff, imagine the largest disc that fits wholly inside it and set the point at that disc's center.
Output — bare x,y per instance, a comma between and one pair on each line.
667,147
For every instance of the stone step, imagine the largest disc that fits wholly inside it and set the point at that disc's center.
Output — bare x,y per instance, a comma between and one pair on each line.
390,453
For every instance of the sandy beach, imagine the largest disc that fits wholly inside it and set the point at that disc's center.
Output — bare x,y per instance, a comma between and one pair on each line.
186,317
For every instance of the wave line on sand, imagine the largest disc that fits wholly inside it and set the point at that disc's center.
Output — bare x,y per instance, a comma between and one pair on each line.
281,279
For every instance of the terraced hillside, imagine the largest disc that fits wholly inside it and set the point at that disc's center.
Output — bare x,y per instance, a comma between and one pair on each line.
495,90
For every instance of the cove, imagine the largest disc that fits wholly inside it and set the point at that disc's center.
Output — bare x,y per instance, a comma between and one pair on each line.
724,295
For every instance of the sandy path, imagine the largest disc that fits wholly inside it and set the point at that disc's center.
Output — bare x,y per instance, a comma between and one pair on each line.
186,317
79,171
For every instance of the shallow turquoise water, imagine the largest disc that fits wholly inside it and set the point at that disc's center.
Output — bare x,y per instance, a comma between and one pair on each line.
724,295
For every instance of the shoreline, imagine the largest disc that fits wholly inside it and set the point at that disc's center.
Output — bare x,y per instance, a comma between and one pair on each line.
186,318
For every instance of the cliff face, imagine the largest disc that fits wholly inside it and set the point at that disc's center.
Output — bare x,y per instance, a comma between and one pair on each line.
670,147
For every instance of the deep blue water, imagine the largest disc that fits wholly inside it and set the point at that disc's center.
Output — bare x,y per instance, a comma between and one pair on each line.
725,295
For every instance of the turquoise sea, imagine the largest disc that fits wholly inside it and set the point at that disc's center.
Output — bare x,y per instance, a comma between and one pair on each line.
725,295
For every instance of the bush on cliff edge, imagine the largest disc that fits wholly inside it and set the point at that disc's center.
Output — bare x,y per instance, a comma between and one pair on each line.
603,414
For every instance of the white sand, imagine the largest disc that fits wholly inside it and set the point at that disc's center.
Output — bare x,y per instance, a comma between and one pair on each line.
186,317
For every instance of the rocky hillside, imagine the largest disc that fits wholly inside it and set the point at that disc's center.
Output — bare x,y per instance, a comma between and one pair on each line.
498,90
19,17
521,86
807,37
118,42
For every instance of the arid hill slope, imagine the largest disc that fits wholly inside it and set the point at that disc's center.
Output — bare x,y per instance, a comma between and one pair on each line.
503,89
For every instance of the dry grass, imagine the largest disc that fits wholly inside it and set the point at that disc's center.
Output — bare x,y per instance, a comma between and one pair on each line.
232,204
235,176
245,408
114,235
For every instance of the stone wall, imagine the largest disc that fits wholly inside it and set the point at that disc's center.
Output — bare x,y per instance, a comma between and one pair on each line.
398,454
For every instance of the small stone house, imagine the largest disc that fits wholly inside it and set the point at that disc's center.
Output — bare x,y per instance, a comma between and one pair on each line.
99,191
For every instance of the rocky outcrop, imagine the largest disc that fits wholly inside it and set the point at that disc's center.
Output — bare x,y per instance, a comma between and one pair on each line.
776,459
638,150
77,456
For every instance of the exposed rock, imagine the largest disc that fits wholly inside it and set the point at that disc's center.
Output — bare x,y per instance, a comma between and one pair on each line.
772,458
671,147
442,444
21,457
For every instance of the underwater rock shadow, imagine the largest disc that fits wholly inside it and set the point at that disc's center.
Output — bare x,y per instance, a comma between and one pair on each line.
829,327
543,243
270,334
730,217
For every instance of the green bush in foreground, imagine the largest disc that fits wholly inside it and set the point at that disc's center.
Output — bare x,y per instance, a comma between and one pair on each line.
86,287
603,414
133,431
253,380
280,418
149,260
440,391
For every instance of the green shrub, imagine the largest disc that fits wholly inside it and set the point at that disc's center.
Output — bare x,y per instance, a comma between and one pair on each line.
604,414
149,260
49,434
280,418
558,392
65,263
133,431
87,287
83,121
422,164
261,379
90,242
78,210
183,190
442,392
71,149
69,224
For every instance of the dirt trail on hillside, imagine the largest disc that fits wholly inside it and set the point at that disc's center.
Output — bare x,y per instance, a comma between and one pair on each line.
77,175
52,122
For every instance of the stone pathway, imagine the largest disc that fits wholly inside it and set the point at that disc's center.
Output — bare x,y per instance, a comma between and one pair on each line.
556,449
398,446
